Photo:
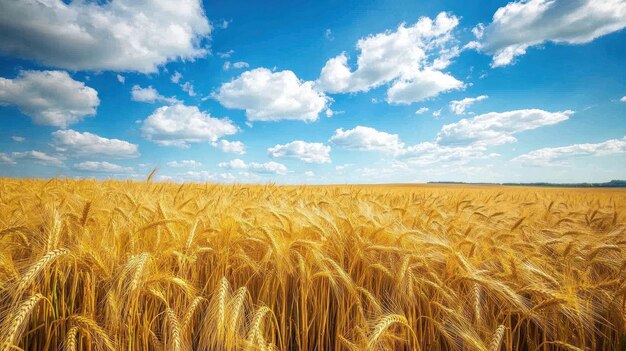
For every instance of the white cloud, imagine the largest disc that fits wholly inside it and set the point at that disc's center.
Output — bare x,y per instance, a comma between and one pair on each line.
50,98
496,128
179,125
175,78
234,164
367,139
421,86
421,110
198,176
273,96
560,155
623,99
184,164
523,24
403,57
188,88
118,35
166,178
307,152
268,167
104,167
149,95
71,142
459,106
234,147
226,54
457,143
328,33
309,174
39,157
18,139
236,65
437,113
4,158
121,78
428,153
343,166
240,64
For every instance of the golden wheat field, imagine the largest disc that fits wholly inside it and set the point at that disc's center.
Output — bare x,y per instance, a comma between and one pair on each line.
87,265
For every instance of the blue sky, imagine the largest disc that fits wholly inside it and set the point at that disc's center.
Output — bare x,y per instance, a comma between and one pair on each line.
314,92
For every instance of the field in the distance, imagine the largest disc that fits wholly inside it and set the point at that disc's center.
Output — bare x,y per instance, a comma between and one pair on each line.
88,265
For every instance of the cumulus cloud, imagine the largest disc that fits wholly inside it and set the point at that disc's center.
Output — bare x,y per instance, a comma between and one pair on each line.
102,167
421,110
457,143
4,158
309,174
328,33
118,35
421,86
459,106
50,98
224,24
18,139
523,24
226,54
428,153
623,99
38,157
234,65
71,142
496,128
179,125
197,176
267,167
273,96
187,87
234,164
342,167
560,155
367,139
425,153
307,152
121,78
176,77
149,95
184,164
403,57
233,147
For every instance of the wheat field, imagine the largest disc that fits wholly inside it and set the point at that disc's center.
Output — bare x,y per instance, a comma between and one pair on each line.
88,265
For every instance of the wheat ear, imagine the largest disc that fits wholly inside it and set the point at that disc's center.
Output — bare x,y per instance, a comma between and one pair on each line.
382,326
496,339
18,323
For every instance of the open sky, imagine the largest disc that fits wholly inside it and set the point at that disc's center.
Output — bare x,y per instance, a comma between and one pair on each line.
336,91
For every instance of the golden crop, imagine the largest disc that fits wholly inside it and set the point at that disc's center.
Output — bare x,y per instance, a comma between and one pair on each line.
88,265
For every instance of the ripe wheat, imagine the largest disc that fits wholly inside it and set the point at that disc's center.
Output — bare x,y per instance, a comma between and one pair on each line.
87,265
